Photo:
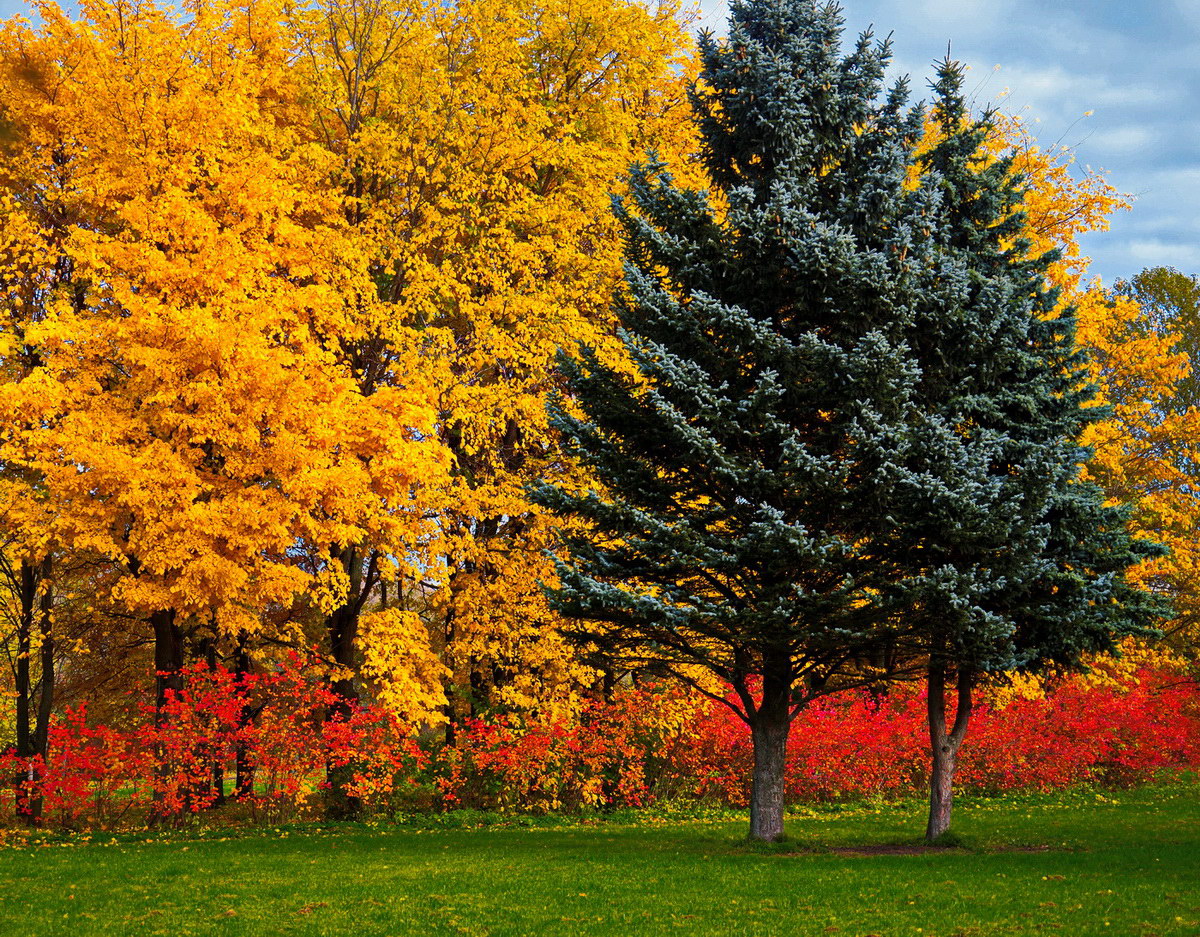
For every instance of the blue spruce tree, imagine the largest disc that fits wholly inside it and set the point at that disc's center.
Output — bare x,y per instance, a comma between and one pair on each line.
849,439
742,475
1005,559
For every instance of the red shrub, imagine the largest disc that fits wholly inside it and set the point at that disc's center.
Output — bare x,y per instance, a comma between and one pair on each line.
645,744
609,754
854,746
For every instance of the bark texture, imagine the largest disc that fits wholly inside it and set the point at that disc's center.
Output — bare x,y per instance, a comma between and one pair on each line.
244,764
168,660
769,730
168,681
342,627
944,745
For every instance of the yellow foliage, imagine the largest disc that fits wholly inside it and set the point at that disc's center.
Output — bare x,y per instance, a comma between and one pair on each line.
177,262
479,143
281,289
398,657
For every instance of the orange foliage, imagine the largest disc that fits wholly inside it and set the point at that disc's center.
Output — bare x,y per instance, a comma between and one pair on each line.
281,290
479,166
185,281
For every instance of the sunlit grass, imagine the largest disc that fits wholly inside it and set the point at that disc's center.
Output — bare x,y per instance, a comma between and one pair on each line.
1077,864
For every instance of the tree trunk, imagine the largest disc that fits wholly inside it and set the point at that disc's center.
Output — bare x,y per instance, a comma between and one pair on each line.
769,730
168,681
23,782
213,790
33,722
45,708
41,731
944,746
168,660
450,731
244,766
608,684
342,627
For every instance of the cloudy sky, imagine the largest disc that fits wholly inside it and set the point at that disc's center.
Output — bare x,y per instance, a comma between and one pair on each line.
1135,64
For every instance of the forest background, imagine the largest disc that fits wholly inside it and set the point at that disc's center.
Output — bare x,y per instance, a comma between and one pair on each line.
282,289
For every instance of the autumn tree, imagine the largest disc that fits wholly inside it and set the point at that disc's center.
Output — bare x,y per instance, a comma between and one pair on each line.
31,655
603,82
361,65
189,420
1169,302
477,142
35,268
256,303
1144,332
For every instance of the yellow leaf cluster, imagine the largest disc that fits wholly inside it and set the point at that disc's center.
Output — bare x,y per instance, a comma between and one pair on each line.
280,292
479,147
187,282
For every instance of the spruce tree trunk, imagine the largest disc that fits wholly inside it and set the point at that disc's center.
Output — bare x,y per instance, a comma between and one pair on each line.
941,791
766,797
944,746
769,730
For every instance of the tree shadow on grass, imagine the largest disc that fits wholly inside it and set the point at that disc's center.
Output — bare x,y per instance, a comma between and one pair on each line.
956,845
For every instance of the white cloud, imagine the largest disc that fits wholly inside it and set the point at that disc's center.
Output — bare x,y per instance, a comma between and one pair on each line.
1153,253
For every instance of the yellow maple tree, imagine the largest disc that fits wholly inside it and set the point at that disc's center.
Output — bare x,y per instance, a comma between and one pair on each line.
478,143
190,420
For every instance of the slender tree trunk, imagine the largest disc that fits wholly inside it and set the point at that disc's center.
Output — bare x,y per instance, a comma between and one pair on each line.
769,730
45,708
168,660
168,681
884,660
342,626
23,781
449,731
244,767
41,732
944,746
608,684
33,722
216,780
477,681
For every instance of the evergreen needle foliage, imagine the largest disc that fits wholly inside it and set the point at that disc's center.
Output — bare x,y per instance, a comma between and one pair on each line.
1006,559
849,438
747,469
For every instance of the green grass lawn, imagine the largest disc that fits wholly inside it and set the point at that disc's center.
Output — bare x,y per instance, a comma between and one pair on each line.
1074,864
